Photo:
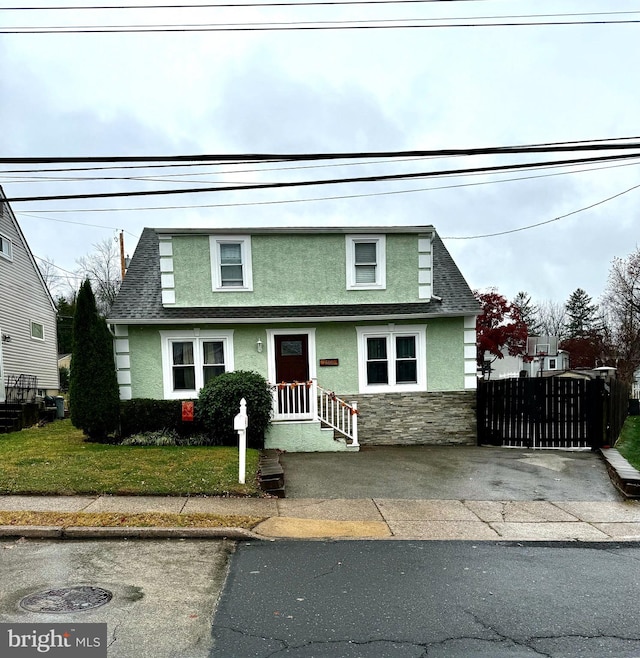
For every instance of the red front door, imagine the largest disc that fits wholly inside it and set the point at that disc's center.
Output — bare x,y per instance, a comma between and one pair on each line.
292,358
292,365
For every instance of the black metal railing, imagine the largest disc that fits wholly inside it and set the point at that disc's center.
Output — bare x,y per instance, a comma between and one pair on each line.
20,388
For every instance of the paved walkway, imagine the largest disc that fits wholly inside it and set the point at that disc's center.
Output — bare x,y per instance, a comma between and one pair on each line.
361,518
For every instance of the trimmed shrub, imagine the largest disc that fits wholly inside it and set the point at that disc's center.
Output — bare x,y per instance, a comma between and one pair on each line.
219,402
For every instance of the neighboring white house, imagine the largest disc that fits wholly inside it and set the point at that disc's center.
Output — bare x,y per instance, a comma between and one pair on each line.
543,359
28,345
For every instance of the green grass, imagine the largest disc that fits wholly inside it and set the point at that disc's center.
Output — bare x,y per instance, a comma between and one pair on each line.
629,442
55,459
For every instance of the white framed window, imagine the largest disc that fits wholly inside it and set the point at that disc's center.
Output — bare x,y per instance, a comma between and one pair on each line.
190,359
552,364
366,262
37,330
231,263
392,358
6,247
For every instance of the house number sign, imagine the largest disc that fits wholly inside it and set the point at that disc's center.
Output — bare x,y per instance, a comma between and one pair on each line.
329,362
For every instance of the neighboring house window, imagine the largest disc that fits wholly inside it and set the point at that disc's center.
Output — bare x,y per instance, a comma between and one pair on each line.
552,364
6,247
366,266
191,359
37,331
231,263
391,359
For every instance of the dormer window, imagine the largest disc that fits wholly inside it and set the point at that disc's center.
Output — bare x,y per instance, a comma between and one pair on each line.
231,263
366,266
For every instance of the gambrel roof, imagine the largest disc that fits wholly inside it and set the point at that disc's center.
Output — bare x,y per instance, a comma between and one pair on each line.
140,298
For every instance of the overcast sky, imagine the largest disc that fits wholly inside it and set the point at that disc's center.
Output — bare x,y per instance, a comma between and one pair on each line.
334,91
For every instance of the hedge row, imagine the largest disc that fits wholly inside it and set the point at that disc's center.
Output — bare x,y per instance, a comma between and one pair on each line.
148,415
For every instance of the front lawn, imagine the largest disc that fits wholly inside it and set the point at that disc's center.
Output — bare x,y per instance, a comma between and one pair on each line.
629,442
55,459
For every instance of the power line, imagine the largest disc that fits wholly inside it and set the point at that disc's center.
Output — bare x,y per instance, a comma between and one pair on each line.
553,147
293,26
333,181
44,260
201,159
68,221
548,221
232,5
330,198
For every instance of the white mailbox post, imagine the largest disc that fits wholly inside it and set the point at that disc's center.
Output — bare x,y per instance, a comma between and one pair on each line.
240,423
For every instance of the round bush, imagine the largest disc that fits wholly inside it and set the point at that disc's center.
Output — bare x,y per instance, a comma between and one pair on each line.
219,402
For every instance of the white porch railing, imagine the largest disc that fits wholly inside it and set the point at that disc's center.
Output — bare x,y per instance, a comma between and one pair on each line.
307,401
635,391
338,414
295,401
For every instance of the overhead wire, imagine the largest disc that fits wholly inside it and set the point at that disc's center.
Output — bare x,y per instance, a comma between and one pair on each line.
289,26
68,221
327,198
332,181
609,142
240,4
548,221
554,147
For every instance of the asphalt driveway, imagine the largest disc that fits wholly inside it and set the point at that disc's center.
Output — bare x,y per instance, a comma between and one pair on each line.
449,473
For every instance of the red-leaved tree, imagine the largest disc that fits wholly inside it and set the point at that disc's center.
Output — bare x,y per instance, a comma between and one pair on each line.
499,328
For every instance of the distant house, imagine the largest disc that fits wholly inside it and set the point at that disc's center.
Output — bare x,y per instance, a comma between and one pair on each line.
374,325
545,358
28,345
542,359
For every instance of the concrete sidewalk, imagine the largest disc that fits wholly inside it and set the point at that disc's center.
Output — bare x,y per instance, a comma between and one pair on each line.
364,518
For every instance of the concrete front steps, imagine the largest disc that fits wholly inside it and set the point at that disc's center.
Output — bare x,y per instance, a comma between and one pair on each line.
306,436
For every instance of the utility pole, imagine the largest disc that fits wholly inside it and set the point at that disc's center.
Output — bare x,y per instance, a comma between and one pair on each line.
122,262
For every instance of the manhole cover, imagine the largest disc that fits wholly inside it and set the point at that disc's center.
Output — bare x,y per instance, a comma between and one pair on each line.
66,599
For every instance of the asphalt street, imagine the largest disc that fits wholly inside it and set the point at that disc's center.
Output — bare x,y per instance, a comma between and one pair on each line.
406,599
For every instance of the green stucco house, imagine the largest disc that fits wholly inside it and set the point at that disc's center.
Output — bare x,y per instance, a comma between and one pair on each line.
366,334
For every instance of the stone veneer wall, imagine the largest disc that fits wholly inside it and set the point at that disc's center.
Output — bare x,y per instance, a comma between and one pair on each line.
438,418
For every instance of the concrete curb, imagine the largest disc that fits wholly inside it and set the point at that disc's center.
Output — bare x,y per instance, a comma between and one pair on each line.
92,532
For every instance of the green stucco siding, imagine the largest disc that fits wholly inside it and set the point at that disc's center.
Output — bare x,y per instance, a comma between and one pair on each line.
338,341
146,362
333,340
294,269
445,354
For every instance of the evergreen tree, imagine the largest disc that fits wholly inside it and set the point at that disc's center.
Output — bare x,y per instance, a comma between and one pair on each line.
64,313
93,387
582,315
529,312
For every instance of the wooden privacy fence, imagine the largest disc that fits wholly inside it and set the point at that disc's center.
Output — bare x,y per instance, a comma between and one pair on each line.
551,412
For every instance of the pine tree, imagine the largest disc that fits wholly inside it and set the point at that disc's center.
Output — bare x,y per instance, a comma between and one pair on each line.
93,386
582,315
64,313
529,312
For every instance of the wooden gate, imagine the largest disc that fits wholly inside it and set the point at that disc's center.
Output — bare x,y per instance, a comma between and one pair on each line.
550,412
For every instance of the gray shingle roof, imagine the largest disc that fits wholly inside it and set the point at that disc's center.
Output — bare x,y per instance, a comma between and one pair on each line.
140,297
